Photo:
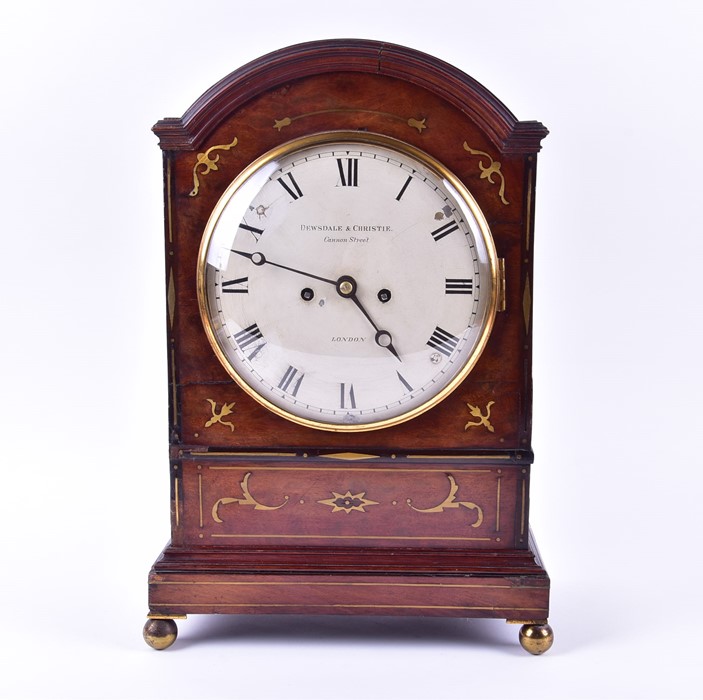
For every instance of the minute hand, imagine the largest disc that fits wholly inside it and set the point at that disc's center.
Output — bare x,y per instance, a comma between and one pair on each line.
260,259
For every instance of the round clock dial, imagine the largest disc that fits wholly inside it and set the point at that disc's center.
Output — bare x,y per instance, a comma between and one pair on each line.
347,281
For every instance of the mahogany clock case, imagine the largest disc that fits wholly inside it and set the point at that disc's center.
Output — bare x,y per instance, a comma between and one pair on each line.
427,517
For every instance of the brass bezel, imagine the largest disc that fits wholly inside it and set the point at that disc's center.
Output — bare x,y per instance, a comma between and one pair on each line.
374,139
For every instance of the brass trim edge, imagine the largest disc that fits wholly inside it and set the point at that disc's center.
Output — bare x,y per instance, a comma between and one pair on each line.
501,285
215,467
466,456
168,201
200,498
528,213
207,454
174,390
177,502
352,537
522,511
302,604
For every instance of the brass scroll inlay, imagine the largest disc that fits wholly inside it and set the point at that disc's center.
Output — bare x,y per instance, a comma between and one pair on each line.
248,500
217,416
451,502
348,502
207,164
413,123
483,418
488,171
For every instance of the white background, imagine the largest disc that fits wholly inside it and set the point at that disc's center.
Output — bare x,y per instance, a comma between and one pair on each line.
616,484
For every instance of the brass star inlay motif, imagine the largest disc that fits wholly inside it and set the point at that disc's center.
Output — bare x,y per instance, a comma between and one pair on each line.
348,502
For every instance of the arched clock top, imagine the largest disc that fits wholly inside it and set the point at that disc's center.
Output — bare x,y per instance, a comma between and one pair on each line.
455,87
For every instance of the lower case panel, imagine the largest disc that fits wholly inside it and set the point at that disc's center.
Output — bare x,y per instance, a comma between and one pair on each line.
382,504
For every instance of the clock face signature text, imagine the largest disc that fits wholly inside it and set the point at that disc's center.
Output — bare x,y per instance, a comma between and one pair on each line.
356,228
349,239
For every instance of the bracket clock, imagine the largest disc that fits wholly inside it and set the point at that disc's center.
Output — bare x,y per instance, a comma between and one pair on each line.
349,239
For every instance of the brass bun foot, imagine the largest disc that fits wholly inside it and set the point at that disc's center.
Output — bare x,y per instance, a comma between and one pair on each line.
536,638
160,634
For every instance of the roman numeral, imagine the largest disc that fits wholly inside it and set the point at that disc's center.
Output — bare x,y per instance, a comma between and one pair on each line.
247,336
443,341
252,229
403,381
403,188
348,171
445,230
346,396
458,286
238,286
291,187
291,376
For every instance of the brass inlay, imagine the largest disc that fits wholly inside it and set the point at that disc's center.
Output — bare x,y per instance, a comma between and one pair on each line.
418,124
345,584
528,213
498,506
171,297
348,502
157,616
483,418
522,512
168,200
247,454
174,389
451,502
226,410
501,285
350,456
527,304
488,171
248,500
357,537
346,469
461,457
176,501
200,498
207,164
